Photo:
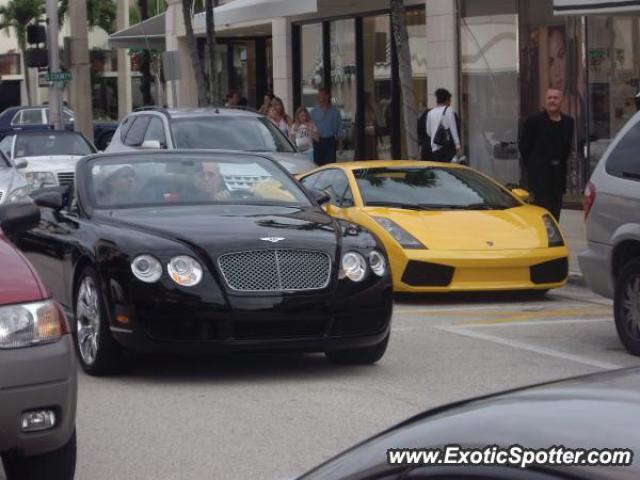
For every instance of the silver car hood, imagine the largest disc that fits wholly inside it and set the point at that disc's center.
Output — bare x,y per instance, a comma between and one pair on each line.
50,163
295,163
10,179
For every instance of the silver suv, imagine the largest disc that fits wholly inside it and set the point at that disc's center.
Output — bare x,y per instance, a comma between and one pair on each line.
611,263
207,129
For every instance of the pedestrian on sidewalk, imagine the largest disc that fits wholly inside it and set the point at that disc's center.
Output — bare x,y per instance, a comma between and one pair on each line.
279,117
545,146
232,99
443,129
329,122
304,132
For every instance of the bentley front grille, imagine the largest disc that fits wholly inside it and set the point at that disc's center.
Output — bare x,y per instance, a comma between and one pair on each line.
65,178
276,270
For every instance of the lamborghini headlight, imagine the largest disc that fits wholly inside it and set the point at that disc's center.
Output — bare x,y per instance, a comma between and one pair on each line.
40,179
404,238
185,271
553,232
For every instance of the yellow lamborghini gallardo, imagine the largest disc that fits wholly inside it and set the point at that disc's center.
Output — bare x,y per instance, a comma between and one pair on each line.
447,227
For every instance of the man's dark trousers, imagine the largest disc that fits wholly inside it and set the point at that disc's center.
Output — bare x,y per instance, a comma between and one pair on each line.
324,151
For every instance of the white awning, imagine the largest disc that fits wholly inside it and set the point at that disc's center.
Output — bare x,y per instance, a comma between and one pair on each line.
239,11
597,7
149,34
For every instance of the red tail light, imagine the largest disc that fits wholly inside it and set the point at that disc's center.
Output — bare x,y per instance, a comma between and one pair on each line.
589,198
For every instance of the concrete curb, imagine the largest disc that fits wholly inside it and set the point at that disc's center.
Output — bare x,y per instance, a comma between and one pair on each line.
576,278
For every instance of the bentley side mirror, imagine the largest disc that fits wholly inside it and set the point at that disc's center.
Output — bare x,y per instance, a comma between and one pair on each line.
53,200
17,218
151,145
320,196
21,164
521,194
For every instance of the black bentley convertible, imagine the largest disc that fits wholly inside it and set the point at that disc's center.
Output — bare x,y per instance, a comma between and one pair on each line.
207,252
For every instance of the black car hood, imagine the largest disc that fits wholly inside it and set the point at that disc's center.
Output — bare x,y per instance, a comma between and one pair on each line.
225,228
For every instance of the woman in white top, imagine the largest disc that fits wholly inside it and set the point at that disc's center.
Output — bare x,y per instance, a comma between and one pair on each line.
443,115
304,132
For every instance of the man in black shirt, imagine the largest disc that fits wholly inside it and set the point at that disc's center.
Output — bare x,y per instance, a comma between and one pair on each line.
545,146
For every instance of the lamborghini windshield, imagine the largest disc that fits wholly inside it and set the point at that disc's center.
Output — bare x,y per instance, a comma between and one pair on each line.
431,188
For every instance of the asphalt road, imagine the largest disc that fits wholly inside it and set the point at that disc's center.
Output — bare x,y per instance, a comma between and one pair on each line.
275,416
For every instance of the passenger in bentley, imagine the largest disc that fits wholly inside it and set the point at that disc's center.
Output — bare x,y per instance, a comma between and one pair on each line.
120,187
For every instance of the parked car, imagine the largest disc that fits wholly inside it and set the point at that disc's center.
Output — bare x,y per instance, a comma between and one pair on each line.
13,185
222,128
611,262
15,119
596,411
160,254
447,227
38,387
46,157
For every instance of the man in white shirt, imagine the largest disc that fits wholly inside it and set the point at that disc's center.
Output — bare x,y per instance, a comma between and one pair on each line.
444,114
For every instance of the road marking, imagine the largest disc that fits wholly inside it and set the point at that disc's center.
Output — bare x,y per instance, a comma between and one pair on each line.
528,311
520,323
558,313
531,348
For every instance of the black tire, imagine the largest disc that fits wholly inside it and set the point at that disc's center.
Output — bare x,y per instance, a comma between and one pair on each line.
108,357
359,356
59,464
627,315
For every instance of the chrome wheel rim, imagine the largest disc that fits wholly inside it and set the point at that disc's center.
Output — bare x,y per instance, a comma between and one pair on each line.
88,320
631,307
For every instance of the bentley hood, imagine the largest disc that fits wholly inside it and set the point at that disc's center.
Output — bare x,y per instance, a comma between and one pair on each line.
512,229
221,228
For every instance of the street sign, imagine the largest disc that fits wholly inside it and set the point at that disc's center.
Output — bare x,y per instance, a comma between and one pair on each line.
59,76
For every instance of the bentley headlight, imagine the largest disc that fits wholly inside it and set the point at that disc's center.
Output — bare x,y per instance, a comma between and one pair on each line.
353,267
20,194
404,238
553,232
146,268
185,271
378,263
40,179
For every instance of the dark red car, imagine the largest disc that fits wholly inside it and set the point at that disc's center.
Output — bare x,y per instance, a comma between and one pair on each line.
38,385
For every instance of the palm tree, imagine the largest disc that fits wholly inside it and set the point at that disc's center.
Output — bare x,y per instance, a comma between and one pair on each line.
100,13
16,15
196,62
409,112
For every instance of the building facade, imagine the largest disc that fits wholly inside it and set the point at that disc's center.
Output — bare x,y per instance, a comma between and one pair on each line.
497,57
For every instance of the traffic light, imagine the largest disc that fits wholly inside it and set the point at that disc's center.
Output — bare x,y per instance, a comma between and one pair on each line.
36,57
36,34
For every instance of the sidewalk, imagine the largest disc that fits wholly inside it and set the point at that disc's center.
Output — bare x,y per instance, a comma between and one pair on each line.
573,228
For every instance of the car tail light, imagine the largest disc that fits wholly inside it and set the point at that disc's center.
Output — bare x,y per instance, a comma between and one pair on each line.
589,198
29,324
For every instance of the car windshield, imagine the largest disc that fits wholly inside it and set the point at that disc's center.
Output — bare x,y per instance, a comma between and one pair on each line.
431,188
245,133
132,182
47,143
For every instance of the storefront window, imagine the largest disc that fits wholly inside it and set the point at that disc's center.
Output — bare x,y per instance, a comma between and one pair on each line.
343,80
551,54
489,64
311,62
376,71
613,58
